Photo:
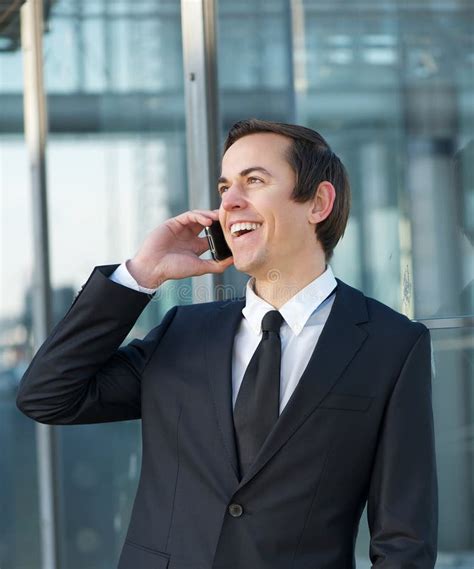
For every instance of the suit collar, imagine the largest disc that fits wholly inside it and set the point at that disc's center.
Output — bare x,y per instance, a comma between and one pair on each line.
340,340
297,310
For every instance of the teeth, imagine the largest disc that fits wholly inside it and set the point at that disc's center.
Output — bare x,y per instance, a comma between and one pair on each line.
246,225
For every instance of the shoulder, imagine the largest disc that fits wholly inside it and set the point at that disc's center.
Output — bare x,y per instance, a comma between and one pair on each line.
384,314
201,307
201,319
382,318
203,310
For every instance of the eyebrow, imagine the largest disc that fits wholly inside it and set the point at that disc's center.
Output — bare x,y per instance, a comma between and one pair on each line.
261,169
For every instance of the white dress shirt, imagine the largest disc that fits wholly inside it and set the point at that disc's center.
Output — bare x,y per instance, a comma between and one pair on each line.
305,315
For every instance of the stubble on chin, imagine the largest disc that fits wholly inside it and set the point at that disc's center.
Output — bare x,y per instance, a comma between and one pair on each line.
254,266
243,265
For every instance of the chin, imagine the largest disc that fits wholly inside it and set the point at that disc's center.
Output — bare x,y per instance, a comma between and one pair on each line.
253,267
244,265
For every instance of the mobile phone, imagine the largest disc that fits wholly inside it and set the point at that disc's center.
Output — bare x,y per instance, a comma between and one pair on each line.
217,243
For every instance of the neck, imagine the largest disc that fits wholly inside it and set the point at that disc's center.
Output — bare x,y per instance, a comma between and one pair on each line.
278,287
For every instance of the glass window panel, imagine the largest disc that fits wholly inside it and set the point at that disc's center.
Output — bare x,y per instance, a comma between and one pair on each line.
254,60
61,73
96,68
391,88
19,519
453,401
116,169
11,78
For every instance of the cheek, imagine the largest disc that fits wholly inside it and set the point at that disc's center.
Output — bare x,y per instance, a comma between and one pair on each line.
221,215
286,222
289,229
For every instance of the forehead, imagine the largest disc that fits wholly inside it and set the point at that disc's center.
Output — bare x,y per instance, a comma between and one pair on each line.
266,148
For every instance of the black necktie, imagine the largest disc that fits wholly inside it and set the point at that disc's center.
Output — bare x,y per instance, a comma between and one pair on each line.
258,401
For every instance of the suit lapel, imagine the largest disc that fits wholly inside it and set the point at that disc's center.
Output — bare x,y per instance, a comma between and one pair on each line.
340,340
222,326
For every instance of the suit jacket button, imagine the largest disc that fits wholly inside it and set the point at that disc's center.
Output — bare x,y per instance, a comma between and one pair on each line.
235,510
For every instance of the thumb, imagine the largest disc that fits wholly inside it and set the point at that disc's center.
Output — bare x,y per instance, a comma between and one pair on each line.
211,266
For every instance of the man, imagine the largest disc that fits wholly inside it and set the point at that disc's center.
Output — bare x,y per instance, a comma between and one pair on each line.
260,448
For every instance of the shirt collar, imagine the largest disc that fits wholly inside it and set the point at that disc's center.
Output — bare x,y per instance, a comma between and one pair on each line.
295,311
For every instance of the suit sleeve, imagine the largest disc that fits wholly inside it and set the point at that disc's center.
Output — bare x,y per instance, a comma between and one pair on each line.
81,374
403,495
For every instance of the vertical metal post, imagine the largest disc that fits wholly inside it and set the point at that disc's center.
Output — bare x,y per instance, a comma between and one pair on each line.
202,112
299,53
290,41
36,131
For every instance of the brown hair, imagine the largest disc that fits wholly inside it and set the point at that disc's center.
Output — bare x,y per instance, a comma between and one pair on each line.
313,161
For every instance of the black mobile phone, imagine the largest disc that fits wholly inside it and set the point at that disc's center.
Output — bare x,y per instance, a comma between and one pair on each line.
217,243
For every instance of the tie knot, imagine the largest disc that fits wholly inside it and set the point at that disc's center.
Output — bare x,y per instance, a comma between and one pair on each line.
272,321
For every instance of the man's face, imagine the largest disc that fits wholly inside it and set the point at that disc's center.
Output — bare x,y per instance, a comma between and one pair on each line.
255,186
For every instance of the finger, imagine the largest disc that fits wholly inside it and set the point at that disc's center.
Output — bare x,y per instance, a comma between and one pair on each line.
202,245
212,266
214,213
203,213
193,217
190,222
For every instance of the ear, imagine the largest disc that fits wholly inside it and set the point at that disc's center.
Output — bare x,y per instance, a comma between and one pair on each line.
322,203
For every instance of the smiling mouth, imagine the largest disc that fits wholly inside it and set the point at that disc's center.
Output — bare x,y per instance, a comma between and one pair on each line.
240,229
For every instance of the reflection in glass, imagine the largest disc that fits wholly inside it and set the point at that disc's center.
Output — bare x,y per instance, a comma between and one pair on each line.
389,90
453,403
116,169
19,516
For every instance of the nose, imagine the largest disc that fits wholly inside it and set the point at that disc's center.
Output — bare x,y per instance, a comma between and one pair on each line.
233,198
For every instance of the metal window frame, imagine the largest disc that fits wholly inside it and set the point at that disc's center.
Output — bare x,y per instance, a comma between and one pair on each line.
198,26
35,112
449,322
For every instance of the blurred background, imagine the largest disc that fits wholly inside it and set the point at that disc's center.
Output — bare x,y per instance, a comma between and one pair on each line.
139,97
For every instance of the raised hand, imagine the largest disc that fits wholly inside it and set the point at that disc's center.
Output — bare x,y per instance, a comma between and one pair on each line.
172,250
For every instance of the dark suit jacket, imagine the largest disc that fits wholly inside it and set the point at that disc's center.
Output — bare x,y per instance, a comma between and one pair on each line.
358,427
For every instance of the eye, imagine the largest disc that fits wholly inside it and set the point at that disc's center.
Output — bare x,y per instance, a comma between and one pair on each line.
253,179
221,189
